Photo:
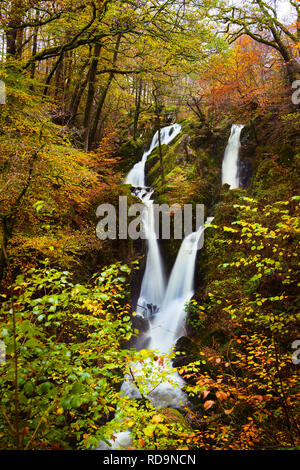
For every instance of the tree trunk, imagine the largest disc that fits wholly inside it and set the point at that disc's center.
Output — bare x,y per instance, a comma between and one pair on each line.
78,92
91,92
76,98
93,132
137,107
158,126
34,49
13,37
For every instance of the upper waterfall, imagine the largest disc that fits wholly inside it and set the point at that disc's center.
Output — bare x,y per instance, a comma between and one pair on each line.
136,176
231,156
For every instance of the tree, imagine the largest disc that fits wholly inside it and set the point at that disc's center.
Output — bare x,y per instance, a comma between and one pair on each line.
258,19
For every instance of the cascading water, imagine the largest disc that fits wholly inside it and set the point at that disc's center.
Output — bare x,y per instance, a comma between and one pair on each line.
136,176
153,285
152,289
168,325
169,303
231,157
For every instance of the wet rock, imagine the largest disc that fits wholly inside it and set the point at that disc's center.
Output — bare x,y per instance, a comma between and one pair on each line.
247,152
140,323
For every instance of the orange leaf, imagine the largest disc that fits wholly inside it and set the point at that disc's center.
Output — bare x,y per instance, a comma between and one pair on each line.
208,404
259,397
142,442
221,395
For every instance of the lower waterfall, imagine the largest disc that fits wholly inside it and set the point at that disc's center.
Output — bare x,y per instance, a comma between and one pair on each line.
168,324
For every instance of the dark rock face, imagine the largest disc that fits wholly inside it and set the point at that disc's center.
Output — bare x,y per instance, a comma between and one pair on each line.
184,345
247,152
140,323
142,340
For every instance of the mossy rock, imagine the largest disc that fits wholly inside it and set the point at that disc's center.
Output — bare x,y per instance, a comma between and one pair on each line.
130,152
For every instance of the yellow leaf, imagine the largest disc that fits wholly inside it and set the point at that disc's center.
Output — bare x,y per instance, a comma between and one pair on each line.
157,419
148,432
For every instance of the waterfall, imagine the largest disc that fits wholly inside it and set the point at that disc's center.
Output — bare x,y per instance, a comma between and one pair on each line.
165,307
231,156
168,304
168,325
136,176
153,284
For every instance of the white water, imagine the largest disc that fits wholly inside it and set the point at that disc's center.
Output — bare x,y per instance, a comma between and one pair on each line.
168,326
231,157
153,285
167,303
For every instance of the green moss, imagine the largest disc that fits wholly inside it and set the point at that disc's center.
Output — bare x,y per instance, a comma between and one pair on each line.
130,152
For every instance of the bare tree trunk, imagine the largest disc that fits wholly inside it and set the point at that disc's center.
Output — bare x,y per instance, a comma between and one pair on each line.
34,49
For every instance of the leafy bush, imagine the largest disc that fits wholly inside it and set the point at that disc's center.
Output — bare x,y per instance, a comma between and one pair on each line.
64,357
